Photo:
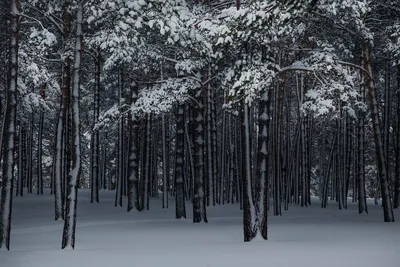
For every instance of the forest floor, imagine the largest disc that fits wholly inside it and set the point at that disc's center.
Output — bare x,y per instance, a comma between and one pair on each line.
111,237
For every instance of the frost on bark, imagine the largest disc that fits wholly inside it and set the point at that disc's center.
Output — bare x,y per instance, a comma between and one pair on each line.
133,178
199,198
9,126
180,210
380,154
68,240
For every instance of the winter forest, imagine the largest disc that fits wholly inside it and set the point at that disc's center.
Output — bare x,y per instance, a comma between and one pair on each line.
245,111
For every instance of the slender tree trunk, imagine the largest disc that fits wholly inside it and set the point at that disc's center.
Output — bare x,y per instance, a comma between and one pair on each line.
21,169
180,210
249,212
147,186
327,174
119,180
40,146
9,126
262,181
210,165
223,163
133,152
68,240
164,162
94,196
199,199
397,172
386,120
362,198
217,183
380,155
190,154
59,166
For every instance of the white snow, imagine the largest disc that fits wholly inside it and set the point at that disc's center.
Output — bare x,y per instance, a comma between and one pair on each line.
108,236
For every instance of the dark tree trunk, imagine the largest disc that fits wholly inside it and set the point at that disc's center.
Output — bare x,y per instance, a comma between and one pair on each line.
362,198
120,155
9,127
68,240
94,196
133,153
262,181
249,224
40,146
397,172
380,153
199,199
180,210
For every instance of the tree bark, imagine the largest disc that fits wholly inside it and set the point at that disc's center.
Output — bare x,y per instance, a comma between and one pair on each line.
380,153
262,181
199,198
68,240
397,172
9,126
249,212
180,210
133,153
362,198
94,196
40,146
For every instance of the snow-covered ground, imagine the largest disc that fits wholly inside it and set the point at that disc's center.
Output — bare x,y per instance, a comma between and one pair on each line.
111,237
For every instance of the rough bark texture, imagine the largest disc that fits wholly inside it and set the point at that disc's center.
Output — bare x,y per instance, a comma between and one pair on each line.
262,181
362,200
180,210
68,240
397,172
396,199
9,126
380,153
199,199
249,227
133,153
40,145
94,196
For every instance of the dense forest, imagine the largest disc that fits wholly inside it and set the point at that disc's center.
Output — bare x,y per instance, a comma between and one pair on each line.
259,102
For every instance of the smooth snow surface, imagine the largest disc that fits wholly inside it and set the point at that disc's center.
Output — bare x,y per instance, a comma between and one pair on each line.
108,236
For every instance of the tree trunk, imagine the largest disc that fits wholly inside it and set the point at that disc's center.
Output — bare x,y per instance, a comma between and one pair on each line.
147,186
380,153
397,172
133,153
180,210
9,126
94,196
249,212
68,240
40,146
262,181
164,162
362,198
120,166
59,161
199,199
